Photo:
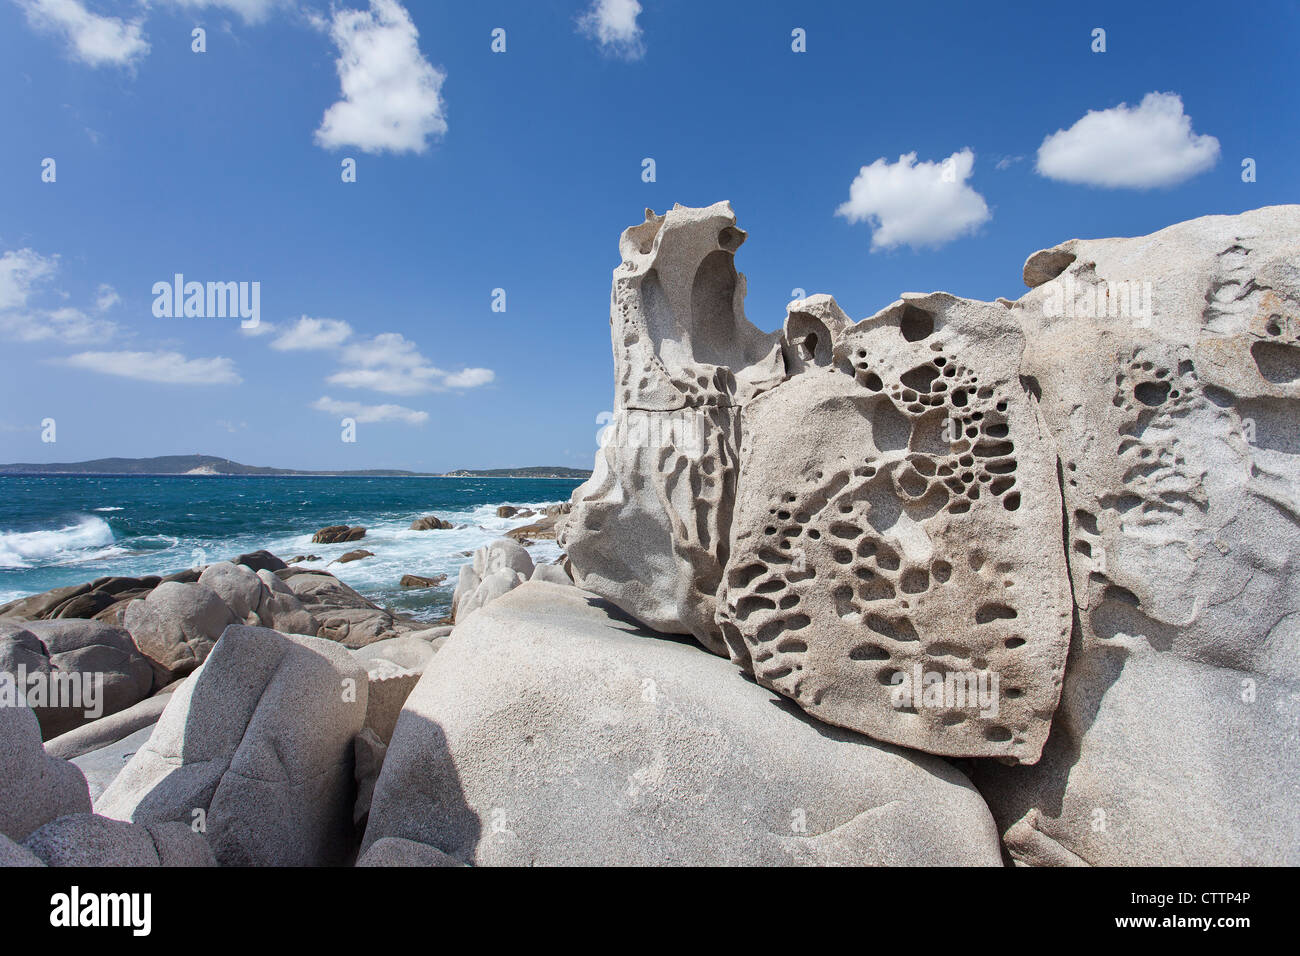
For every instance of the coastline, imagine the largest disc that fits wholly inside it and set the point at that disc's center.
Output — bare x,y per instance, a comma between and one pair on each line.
62,530
312,474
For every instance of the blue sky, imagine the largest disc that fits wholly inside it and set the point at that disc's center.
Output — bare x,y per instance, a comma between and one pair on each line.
479,170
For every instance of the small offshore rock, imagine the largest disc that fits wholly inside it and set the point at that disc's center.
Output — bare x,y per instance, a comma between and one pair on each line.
416,581
430,523
353,556
338,534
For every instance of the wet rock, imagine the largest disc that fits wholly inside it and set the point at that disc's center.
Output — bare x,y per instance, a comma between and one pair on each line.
430,523
338,534
416,581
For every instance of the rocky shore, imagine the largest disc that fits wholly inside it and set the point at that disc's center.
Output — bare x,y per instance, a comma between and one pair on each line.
104,692
962,583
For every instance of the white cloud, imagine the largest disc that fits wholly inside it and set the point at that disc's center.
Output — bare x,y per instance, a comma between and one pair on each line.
93,39
388,362
391,94
106,297
1151,144
612,24
22,272
263,327
67,325
917,204
166,368
1006,162
391,349
371,413
390,380
308,334
250,11
469,378
391,363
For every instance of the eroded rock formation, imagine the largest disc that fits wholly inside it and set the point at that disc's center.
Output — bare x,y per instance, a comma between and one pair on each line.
886,492
652,523
1084,506
950,495
1169,373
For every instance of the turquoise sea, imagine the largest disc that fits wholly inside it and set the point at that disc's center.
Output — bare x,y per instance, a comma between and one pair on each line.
61,529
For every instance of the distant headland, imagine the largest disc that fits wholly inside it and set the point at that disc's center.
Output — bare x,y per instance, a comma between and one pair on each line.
209,465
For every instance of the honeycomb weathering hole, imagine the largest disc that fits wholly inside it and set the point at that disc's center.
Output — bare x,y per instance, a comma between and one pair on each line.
994,611
809,338
1278,363
916,324
730,238
1152,394
713,317
1046,265
891,429
920,378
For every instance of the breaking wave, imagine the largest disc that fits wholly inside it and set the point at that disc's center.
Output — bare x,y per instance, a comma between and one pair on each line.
86,540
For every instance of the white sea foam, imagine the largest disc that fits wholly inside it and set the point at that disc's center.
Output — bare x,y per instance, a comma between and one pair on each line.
88,539
399,550
113,508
